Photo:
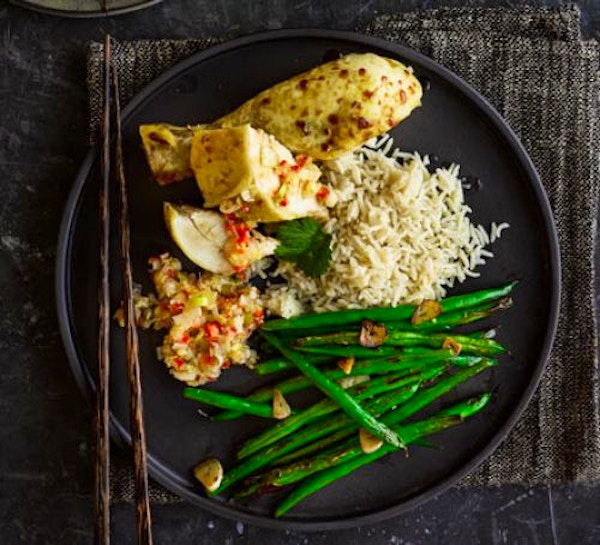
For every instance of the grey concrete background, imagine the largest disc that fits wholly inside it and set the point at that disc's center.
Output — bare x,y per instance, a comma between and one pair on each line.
45,439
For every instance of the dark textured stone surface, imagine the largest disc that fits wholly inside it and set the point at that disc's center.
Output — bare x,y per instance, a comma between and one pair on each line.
45,471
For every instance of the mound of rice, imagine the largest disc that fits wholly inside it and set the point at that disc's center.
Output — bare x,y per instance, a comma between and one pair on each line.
401,234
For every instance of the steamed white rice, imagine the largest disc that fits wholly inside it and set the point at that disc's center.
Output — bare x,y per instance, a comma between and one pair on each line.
401,234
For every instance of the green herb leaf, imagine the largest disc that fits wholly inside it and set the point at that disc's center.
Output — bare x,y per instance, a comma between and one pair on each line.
296,236
304,242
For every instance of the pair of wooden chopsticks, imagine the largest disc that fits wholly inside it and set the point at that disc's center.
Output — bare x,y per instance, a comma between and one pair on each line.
112,150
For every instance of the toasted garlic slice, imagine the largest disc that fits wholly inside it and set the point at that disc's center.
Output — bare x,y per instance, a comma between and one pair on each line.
281,408
368,442
450,344
353,380
426,311
346,364
209,473
372,334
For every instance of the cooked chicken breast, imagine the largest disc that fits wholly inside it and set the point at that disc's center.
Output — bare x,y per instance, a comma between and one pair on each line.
333,108
247,171
323,113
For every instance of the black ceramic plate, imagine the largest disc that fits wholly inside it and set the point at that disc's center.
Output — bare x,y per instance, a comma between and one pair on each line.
85,8
454,124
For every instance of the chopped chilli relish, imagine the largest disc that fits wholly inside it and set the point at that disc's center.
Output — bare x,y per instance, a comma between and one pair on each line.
209,317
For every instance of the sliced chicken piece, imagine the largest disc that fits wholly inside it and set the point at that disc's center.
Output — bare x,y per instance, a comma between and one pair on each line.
249,171
167,150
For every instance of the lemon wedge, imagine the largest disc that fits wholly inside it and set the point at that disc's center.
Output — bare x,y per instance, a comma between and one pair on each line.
200,234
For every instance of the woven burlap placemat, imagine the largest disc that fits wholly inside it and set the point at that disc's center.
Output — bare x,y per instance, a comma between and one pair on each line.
533,66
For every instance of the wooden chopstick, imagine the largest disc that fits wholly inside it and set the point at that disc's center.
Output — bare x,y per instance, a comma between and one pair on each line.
111,133
102,474
138,434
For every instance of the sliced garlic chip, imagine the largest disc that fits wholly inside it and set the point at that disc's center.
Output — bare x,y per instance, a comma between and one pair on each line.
209,473
353,380
281,408
368,442
346,364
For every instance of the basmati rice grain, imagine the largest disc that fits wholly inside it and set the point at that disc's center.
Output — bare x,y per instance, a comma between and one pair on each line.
400,233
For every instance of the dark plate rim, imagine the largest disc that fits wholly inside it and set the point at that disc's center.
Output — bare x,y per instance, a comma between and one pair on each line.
142,4
159,472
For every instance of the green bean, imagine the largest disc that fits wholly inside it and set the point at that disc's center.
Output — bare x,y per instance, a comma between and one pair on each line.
228,401
466,361
466,316
424,397
302,469
352,459
383,314
319,429
468,407
448,320
480,345
287,386
351,407
346,338
323,408
416,350
472,299
443,322
417,402
272,452
275,365
322,444
409,363
349,351
326,406
331,468
403,342
375,366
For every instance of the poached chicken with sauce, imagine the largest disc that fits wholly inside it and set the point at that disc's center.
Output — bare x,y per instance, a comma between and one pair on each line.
334,108
323,113
247,171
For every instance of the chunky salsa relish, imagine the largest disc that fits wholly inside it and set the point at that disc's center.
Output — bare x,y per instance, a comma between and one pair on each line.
209,319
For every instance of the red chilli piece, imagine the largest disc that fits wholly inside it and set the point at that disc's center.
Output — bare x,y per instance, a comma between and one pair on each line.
176,307
323,193
212,330
178,363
